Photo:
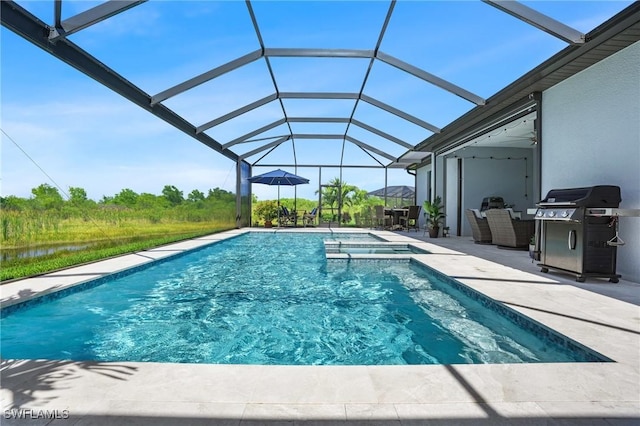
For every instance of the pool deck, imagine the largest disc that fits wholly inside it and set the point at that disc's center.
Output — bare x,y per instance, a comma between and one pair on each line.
598,314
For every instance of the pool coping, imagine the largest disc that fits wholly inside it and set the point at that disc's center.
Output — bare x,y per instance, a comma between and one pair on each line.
239,393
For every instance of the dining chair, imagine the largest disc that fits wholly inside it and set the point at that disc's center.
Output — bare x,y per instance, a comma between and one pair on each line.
410,220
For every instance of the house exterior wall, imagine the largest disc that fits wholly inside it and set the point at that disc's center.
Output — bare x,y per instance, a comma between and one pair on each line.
591,136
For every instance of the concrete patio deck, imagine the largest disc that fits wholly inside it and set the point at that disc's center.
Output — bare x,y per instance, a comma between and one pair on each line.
624,290
598,314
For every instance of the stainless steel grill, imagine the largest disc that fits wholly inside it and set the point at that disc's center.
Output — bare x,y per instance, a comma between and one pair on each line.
575,240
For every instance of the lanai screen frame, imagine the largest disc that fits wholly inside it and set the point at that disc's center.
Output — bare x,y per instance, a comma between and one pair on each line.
53,39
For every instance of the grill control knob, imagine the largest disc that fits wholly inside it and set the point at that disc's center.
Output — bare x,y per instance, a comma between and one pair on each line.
551,213
540,213
565,213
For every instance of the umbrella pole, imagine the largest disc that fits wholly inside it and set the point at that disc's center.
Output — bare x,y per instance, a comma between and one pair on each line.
278,205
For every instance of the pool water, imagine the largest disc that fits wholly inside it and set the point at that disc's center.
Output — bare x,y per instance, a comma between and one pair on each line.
274,299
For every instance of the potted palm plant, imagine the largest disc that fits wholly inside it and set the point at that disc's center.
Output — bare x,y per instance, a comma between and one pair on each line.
434,215
267,210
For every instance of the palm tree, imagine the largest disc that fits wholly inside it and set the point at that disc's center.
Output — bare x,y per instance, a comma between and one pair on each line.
336,194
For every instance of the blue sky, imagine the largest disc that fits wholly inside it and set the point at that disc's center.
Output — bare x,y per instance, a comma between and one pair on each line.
58,121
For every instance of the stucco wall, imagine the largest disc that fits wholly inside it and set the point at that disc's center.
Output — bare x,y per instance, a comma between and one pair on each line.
591,136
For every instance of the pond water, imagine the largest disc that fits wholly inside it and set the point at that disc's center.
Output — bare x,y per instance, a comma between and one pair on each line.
7,255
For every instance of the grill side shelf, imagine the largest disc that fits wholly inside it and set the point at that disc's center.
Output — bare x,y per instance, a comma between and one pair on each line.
613,212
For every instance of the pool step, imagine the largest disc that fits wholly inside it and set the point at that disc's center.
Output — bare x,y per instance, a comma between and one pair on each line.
376,250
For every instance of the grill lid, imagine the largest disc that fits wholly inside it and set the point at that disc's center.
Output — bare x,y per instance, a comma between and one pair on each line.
593,196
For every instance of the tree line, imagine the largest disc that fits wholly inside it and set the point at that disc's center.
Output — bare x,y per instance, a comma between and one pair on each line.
47,197
48,216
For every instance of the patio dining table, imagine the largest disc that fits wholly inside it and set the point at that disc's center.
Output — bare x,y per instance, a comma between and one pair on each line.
395,214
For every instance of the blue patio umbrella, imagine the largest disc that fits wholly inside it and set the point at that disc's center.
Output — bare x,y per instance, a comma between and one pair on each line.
278,177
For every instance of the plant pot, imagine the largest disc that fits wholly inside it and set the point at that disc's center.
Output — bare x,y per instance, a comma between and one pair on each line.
434,231
268,224
532,252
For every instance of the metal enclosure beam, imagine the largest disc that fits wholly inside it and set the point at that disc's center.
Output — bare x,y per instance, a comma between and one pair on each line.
316,136
53,39
441,83
23,23
318,120
244,138
203,78
265,147
383,30
318,95
539,20
370,148
89,17
239,111
334,166
399,113
256,28
381,133
317,53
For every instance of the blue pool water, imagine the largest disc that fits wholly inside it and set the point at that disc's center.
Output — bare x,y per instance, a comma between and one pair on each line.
274,299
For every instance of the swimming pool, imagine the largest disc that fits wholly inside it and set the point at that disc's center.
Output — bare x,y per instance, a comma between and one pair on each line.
264,298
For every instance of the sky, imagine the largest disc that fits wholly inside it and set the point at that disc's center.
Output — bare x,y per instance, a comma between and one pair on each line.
62,128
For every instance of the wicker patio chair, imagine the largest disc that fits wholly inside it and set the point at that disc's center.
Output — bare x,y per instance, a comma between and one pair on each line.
479,227
411,219
509,232
383,220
